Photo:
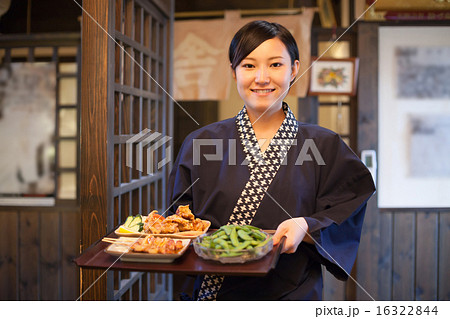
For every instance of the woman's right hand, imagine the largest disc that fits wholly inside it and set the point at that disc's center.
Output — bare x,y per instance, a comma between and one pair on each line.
295,230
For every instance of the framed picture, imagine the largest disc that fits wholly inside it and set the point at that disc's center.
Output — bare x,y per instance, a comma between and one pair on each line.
333,76
414,118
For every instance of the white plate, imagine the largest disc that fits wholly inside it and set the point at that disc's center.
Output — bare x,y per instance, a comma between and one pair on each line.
181,235
121,251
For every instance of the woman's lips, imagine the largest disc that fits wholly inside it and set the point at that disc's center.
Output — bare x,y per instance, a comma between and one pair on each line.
262,91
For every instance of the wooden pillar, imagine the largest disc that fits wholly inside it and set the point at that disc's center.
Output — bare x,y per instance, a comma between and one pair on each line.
94,101
374,264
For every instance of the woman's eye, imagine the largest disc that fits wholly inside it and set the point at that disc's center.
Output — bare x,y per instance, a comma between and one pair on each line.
276,64
247,66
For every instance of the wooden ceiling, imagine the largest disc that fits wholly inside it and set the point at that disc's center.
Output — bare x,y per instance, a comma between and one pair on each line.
412,5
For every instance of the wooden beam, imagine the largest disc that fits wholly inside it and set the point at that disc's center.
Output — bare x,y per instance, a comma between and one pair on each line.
94,102
41,40
250,12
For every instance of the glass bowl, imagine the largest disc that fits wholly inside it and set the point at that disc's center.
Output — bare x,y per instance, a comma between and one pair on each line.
228,256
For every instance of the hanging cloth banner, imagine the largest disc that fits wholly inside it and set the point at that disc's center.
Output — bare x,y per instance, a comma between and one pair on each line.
201,70
201,66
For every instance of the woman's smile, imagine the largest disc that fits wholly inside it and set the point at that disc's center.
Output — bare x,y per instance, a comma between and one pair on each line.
263,92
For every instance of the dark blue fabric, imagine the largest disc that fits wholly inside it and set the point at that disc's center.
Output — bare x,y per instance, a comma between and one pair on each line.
331,197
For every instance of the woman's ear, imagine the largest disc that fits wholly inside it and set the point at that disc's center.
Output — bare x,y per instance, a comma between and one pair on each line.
233,72
295,68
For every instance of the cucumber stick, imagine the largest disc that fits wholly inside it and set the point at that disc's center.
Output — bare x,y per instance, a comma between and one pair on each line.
134,223
136,220
128,221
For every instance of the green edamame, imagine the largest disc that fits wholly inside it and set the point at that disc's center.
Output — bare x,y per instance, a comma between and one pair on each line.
258,235
241,233
232,240
221,242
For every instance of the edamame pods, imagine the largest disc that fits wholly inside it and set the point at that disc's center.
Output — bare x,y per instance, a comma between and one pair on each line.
244,235
232,239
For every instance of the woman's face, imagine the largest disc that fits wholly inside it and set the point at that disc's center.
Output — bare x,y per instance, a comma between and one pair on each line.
264,75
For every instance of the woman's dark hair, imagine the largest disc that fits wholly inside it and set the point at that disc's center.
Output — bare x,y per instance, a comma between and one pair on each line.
251,35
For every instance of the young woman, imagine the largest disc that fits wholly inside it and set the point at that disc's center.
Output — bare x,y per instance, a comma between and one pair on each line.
265,168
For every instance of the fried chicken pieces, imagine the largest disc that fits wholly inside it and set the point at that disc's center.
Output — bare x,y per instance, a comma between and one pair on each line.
182,220
157,245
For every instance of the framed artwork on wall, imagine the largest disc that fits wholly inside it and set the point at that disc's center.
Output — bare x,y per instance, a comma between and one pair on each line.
414,117
333,76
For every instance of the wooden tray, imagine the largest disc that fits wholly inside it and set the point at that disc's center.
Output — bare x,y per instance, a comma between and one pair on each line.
189,263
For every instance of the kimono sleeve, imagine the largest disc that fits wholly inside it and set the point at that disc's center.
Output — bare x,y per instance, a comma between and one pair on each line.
179,191
344,187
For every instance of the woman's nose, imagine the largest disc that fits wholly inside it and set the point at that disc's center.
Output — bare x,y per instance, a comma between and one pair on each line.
262,76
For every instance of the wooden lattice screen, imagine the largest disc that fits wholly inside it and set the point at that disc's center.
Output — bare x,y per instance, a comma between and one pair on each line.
140,103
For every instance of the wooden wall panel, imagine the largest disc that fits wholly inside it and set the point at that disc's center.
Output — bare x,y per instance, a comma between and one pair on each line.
70,240
385,262
444,256
333,289
9,259
427,239
37,249
50,248
29,267
404,256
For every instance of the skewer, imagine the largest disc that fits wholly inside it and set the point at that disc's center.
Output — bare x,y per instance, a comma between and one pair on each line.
118,240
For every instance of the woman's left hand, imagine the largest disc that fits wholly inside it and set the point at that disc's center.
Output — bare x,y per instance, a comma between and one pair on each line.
294,230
